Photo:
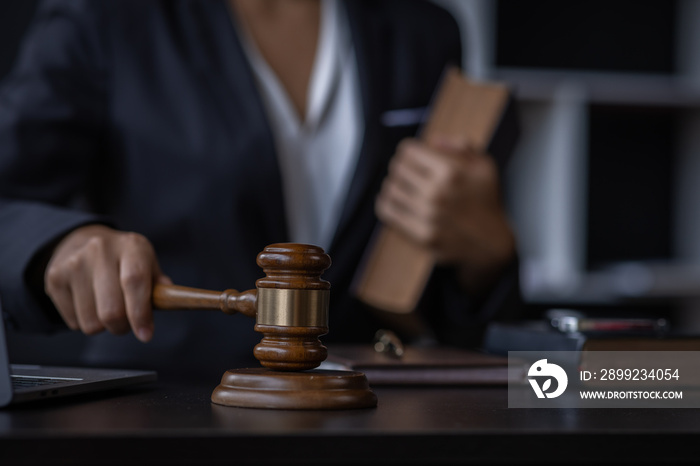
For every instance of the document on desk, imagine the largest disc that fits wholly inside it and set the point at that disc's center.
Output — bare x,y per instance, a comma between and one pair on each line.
421,366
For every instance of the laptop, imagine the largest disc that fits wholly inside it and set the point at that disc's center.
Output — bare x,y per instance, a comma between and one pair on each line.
22,383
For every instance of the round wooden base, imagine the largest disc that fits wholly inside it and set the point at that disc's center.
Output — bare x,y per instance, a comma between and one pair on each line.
317,389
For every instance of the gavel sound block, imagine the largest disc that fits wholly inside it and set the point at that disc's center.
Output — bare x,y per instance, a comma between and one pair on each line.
290,305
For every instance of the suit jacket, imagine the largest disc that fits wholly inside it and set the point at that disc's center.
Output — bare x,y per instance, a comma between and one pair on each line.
145,116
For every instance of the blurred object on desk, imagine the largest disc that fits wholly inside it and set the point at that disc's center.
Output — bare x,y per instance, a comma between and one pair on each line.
540,335
421,365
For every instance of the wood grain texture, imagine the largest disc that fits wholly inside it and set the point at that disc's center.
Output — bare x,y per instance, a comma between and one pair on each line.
313,390
293,266
176,297
290,348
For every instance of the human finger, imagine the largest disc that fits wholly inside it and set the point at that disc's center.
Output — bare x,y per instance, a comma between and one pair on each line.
84,304
413,202
137,272
401,217
60,294
109,299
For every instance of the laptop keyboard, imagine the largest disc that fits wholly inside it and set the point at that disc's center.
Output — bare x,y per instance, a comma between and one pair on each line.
19,381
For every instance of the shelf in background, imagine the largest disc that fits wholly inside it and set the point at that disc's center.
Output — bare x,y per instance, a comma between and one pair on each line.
604,87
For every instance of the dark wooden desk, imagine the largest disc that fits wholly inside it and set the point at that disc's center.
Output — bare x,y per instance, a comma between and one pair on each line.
172,424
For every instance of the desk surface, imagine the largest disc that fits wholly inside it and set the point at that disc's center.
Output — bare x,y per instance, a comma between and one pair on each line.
174,424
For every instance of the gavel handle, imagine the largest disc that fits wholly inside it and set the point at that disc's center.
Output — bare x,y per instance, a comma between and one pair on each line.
172,297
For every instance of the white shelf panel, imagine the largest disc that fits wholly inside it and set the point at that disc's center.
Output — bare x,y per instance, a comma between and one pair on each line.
604,88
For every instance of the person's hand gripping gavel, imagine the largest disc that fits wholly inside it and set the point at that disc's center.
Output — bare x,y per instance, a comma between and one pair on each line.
100,278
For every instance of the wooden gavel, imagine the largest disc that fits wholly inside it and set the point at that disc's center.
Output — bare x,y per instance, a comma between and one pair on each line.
290,305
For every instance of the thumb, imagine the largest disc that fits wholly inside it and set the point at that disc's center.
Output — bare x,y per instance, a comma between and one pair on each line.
162,279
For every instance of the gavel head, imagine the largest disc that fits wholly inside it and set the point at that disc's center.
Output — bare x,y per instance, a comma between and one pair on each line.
292,306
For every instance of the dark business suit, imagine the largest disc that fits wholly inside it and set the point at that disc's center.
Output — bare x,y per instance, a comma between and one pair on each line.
145,115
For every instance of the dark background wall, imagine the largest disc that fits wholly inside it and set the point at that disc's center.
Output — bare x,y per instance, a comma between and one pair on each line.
602,35
630,160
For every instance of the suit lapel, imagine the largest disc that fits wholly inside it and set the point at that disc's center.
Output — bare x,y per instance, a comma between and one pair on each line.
371,165
232,81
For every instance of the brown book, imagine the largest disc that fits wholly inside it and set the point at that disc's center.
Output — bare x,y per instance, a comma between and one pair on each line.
421,365
395,269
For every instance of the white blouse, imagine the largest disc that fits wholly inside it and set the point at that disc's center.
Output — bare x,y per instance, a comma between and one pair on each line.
317,156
